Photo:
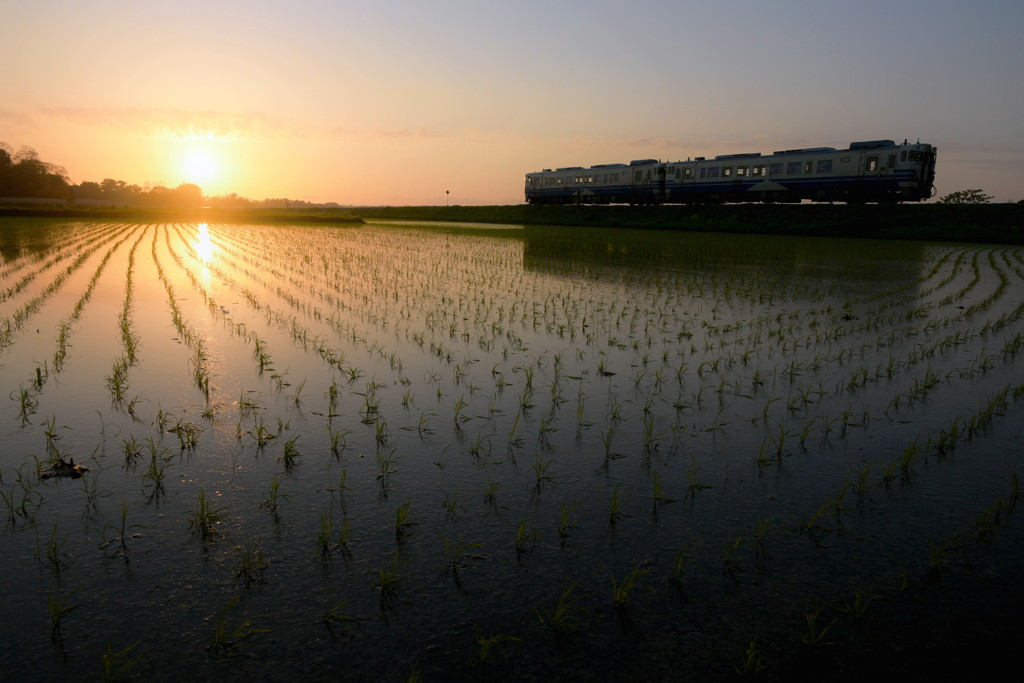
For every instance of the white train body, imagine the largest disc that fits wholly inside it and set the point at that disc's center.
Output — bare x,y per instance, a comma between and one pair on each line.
870,171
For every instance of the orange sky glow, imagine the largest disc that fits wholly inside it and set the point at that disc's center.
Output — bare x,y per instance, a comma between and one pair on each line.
397,103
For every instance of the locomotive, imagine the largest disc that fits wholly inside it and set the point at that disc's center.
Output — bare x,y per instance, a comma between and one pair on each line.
868,171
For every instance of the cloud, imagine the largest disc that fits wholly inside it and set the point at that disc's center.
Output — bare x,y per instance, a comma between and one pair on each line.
383,133
184,125
14,122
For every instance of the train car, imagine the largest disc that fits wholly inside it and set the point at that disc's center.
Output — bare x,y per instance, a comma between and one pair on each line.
868,171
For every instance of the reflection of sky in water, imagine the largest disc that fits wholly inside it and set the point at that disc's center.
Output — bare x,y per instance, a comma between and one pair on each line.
716,350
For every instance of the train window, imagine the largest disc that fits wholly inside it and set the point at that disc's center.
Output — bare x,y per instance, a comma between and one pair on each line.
872,164
614,177
703,172
758,169
713,172
825,166
741,170
775,168
727,171
892,161
561,181
808,166
792,167
687,173
903,155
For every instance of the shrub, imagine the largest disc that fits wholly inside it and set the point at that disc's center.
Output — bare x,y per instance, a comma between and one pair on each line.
966,197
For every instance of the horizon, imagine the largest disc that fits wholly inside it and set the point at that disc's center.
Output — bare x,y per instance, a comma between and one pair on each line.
409,104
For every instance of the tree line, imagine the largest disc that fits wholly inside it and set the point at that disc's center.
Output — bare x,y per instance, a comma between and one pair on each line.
24,175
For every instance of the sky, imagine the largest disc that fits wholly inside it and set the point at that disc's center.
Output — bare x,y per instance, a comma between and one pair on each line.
409,103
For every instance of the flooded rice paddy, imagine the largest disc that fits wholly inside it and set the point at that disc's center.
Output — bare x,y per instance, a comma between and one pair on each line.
394,451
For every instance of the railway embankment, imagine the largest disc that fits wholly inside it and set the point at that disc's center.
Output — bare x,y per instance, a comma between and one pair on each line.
985,223
988,223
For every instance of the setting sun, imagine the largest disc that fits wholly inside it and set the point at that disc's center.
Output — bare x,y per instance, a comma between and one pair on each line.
200,166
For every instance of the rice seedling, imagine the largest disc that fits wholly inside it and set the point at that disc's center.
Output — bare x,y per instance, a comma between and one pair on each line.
226,639
260,434
540,471
325,538
621,590
729,565
388,577
58,607
296,397
856,609
752,662
492,646
273,497
336,615
567,615
491,492
404,520
26,400
526,536
567,520
385,465
290,453
692,476
115,666
51,551
203,518
615,505
816,632
187,433
250,562
122,529
678,563
458,553
156,471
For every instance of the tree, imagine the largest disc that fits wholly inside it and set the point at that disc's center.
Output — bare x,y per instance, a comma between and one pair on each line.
966,197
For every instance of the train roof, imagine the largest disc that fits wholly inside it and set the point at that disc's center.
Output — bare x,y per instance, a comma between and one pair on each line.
738,156
872,144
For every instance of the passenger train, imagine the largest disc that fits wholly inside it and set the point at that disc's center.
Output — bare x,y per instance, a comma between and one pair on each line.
868,171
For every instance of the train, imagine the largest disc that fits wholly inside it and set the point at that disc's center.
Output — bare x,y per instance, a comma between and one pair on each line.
879,171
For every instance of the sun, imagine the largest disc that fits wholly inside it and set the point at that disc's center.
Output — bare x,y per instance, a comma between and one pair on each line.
200,166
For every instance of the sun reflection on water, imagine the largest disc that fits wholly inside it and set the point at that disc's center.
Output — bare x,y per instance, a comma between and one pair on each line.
204,247
204,251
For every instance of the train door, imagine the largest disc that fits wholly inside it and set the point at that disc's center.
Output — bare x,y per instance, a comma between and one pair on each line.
660,173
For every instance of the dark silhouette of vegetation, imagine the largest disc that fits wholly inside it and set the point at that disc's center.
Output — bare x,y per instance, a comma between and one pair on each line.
966,197
24,175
